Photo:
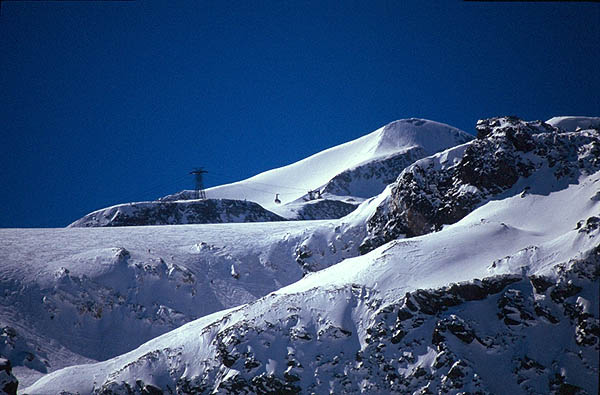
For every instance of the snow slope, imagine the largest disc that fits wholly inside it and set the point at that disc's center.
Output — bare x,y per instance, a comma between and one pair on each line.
81,294
343,176
445,187
367,164
571,124
352,327
341,329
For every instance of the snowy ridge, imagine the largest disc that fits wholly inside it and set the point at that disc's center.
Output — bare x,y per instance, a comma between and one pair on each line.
389,320
209,211
571,124
65,291
445,187
429,135
363,180
353,327
341,177
366,165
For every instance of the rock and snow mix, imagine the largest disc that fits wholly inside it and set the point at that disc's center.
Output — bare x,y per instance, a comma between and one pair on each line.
338,180
208,211
8,382
455,278
444,188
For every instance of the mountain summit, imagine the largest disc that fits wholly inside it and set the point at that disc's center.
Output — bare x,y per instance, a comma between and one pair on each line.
368,159
326,185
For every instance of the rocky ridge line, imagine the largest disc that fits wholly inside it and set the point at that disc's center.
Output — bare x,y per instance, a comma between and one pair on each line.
178,212
428,341
433,192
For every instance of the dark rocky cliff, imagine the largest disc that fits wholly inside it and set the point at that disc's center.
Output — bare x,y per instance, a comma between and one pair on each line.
432,193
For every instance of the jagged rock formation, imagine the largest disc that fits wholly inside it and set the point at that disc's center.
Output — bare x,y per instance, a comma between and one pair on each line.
20,352
178,212
446,187
303,209
8,382
325,209
453,339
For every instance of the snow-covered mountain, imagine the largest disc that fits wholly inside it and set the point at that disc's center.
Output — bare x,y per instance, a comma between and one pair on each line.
293,306
411,315
338,179
517,333
445,187
87,294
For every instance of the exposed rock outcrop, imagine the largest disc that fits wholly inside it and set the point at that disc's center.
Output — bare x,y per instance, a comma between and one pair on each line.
446,187
178,212
371,178
8,382
325,209
429,340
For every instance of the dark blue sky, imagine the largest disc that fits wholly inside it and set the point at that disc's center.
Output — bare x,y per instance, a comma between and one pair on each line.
109,102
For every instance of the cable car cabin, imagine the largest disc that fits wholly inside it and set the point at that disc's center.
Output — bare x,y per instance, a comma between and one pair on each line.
315,194
277,199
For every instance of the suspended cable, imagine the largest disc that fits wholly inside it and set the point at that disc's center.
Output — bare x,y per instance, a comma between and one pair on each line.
241,185
264,190
263,183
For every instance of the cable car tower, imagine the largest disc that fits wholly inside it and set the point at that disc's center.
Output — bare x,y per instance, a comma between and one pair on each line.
200,194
